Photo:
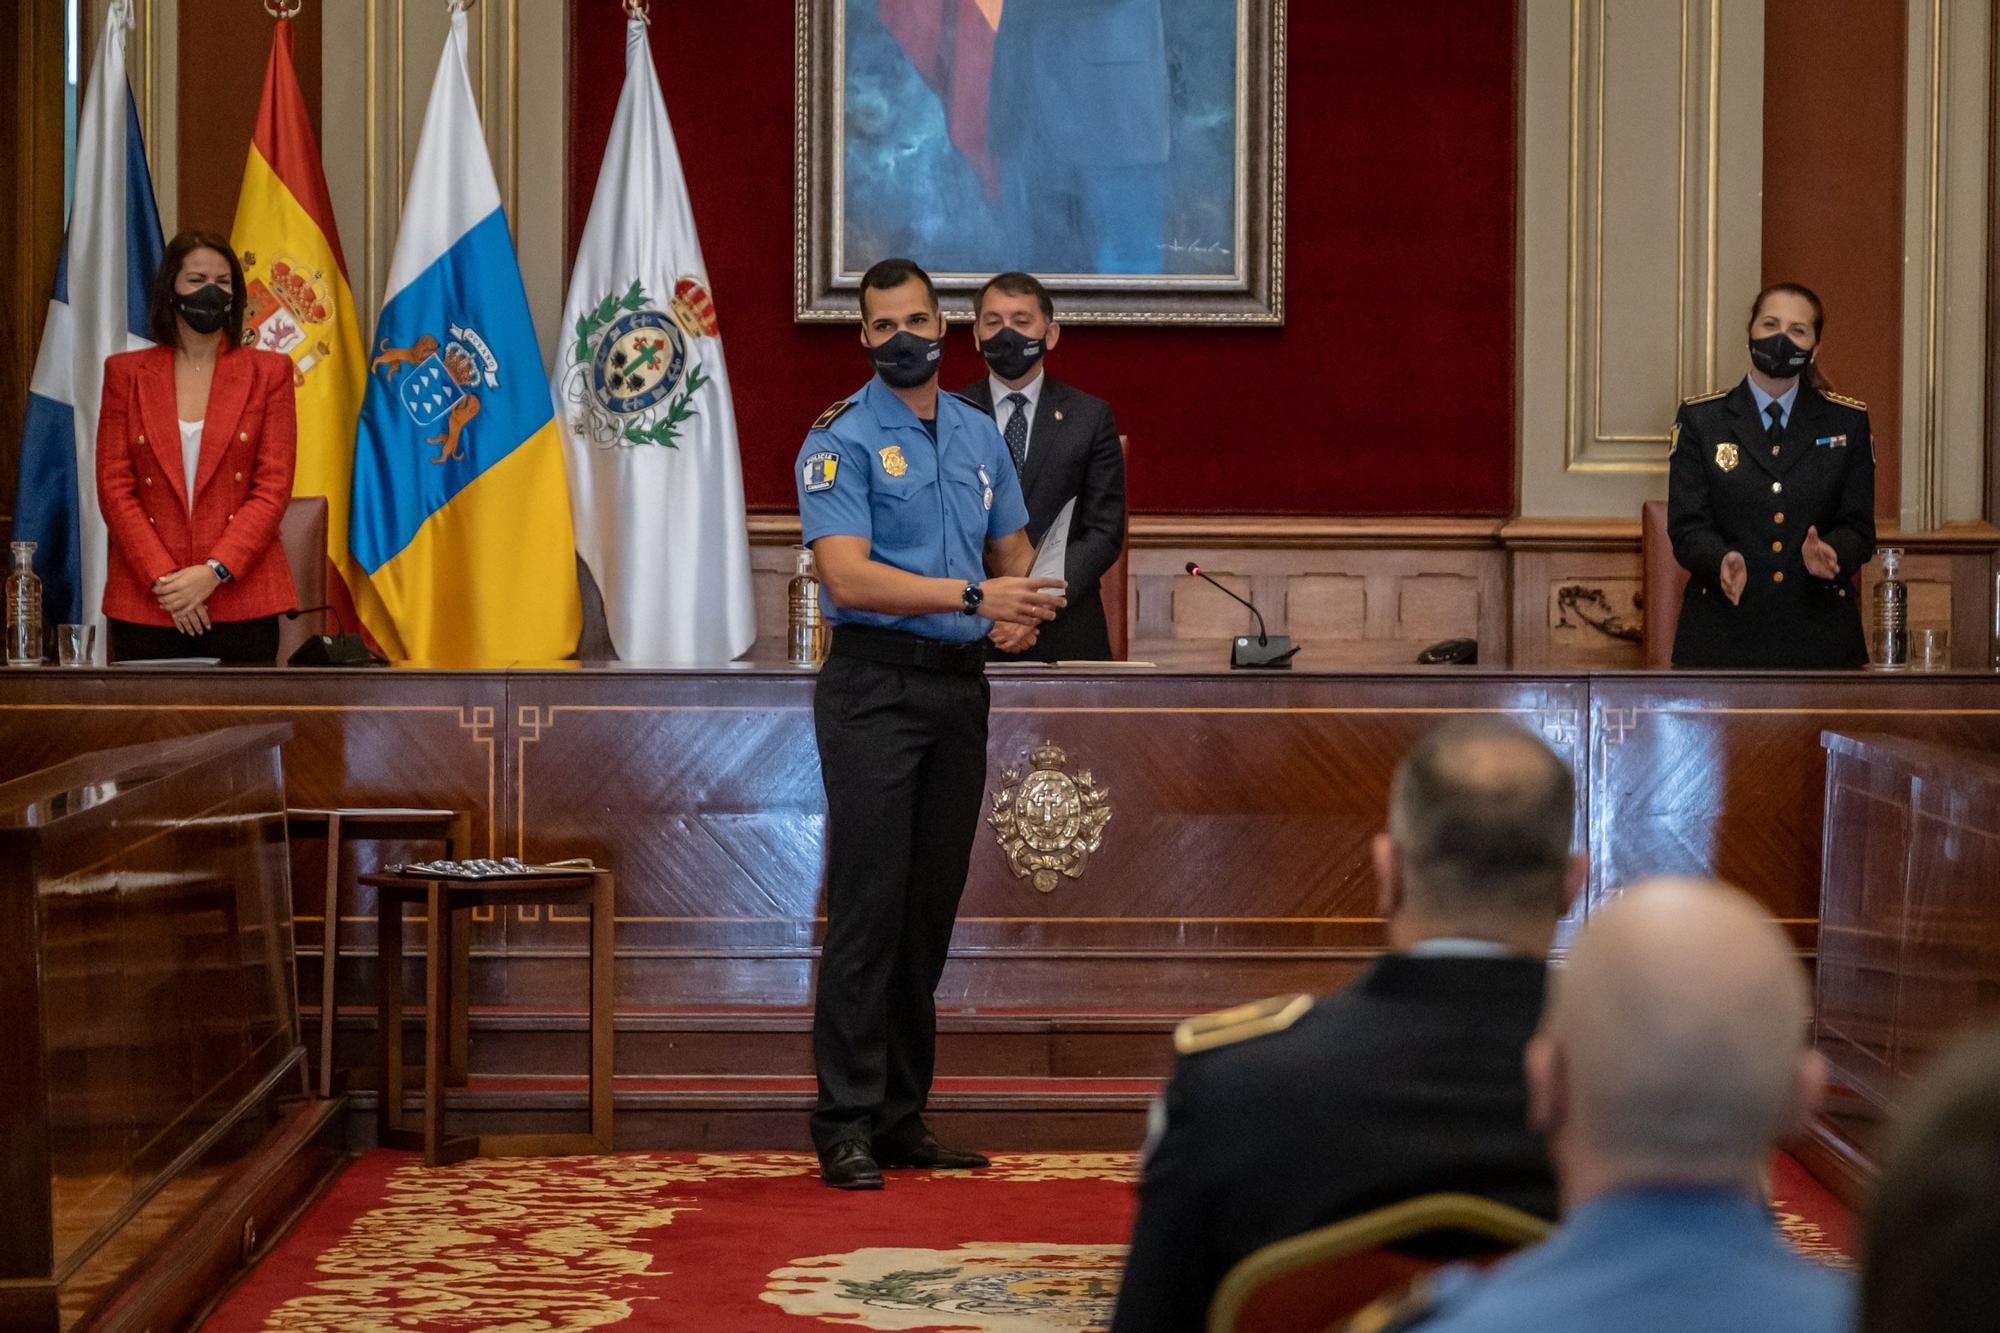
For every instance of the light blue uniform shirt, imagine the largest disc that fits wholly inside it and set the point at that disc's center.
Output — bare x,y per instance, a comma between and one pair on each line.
927,509
1652,1261
1764,401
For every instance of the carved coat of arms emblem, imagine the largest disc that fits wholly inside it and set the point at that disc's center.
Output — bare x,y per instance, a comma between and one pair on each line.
1048,821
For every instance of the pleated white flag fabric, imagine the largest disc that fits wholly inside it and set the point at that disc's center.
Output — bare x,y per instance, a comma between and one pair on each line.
642,396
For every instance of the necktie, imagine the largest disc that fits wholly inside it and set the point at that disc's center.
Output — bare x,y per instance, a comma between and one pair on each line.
1016,433
1775,436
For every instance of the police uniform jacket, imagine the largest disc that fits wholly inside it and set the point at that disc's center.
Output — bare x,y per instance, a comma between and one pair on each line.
1408,1082
869,469
1073,454
1729,490
243,482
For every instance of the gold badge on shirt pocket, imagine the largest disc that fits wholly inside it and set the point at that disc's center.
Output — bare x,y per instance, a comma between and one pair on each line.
1725,456
893,461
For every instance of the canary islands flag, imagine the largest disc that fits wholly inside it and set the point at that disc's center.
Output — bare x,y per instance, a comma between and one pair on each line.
460,514
297,300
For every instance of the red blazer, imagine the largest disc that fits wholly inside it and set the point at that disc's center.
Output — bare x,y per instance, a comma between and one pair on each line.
243,481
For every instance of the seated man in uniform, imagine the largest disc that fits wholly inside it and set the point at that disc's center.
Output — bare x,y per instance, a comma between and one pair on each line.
1672,1059
1293,1113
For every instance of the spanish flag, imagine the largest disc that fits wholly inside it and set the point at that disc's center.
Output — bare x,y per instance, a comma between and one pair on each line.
298,303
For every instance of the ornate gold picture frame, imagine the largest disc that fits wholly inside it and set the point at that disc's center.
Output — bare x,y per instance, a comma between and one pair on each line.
1130,153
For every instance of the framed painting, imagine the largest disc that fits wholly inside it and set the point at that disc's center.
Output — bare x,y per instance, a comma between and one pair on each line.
1130,153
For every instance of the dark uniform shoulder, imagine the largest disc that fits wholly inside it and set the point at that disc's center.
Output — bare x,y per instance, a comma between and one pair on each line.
832,414
1843,400
1260,1018
1709,397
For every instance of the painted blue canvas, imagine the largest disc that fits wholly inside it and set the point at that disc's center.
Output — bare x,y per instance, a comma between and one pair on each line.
1085,138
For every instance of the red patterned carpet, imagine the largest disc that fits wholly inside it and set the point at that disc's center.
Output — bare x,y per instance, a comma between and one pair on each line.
734,1243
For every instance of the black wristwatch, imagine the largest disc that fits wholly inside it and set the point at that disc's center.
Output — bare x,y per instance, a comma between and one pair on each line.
971,598
220,570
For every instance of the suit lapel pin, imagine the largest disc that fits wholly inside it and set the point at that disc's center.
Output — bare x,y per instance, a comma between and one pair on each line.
1058,414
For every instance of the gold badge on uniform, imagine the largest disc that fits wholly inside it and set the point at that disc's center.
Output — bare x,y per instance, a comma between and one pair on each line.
894,463
1673,439
1725,456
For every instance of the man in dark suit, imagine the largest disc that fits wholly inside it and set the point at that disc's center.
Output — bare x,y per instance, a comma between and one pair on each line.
1291,1113
1077,118
1065,445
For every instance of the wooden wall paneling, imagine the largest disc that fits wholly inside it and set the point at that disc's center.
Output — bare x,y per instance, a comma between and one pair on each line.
1833,128
1597,559
31,221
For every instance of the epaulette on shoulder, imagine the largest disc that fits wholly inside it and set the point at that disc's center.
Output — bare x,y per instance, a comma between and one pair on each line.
1704,397
1843,400
967,399
1208,1032
832,414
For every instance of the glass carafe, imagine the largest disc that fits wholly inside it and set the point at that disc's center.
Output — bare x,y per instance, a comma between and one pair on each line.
807,637
1891,649
24,609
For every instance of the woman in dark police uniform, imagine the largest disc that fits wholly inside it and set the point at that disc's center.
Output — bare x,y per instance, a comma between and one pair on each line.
1771,505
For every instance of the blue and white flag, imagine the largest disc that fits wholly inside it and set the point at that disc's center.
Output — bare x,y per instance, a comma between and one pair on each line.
643,392
461,508
103,280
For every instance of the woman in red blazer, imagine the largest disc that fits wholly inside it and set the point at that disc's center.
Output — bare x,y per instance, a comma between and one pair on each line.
196,445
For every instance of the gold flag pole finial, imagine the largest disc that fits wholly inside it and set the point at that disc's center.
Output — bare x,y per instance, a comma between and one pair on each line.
283,9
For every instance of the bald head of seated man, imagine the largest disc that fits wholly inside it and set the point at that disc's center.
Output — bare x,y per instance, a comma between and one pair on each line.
1292,1113
1672,1058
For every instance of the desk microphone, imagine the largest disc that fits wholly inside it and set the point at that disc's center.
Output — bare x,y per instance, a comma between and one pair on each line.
1269,652
339,650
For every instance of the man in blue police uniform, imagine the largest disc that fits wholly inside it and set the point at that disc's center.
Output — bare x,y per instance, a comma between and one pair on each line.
1672,1059
911,505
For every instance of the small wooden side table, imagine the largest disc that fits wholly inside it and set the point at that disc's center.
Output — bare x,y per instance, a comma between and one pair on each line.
344,824
443,899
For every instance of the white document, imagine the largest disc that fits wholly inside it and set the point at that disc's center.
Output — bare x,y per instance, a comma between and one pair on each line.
1051,560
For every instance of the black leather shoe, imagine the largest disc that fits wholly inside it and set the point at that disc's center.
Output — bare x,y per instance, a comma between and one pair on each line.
848,1165
928,1153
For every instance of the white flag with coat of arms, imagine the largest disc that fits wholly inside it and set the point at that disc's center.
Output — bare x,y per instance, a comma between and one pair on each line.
642,395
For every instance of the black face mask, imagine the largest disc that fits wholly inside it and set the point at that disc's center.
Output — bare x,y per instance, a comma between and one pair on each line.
1011,354
1778,356
205,309
906,361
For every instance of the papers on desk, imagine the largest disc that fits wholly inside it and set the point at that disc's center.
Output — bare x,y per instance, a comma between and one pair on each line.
1052,558
1073,665
169,662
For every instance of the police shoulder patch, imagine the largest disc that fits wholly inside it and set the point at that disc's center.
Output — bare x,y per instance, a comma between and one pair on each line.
1208,1032
832,414
1843,400
1704,397
820,470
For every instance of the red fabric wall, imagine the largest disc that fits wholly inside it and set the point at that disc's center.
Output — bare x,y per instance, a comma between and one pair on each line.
1389,390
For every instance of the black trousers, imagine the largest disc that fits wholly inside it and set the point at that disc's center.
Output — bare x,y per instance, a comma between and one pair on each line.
236,642
902,752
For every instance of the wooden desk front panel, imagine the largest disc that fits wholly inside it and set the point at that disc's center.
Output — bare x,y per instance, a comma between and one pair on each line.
1723,775
1236,857
1234,864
